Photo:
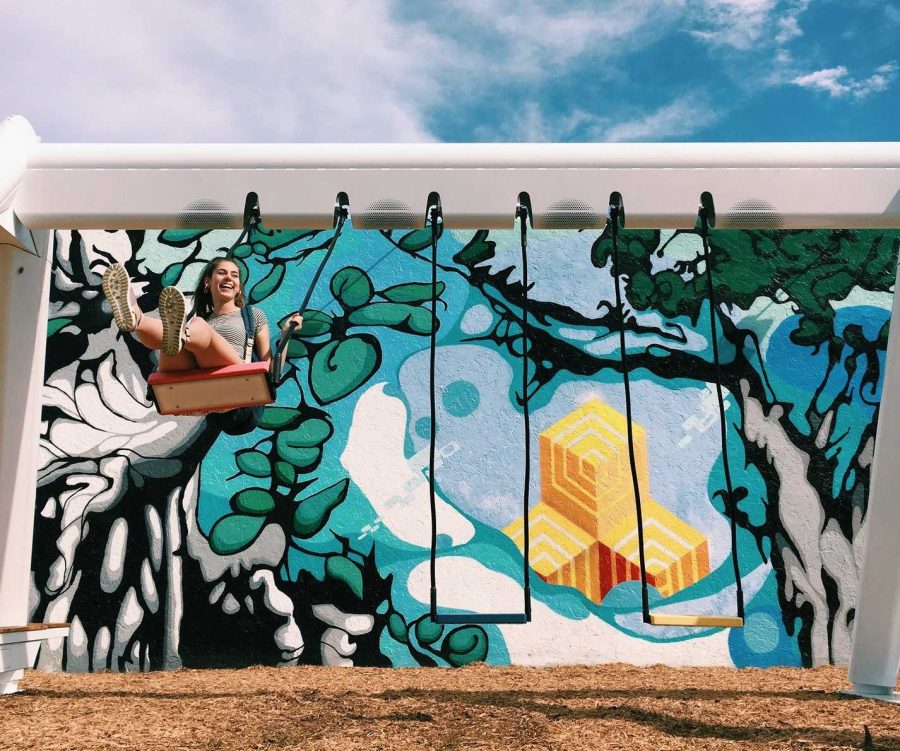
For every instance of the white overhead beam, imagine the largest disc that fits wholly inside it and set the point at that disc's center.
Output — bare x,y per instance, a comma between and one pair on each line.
156,186
463,155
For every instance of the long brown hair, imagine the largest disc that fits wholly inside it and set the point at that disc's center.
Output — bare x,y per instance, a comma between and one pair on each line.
203,302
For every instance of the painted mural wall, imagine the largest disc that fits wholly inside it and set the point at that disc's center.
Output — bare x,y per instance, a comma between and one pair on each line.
167,543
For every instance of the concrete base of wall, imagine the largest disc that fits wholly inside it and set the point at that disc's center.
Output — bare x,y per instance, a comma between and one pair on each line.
19,650
867,691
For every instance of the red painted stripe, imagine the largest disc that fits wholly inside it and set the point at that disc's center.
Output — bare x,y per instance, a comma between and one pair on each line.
606,582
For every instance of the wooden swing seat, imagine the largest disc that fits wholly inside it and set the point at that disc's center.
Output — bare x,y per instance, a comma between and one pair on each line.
708,621
208,390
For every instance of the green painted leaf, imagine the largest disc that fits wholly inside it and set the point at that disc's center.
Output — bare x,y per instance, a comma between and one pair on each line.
413,292
244,250
302,446
181,238
172,274
341,367
418,239
312,432
346,571
296,349
285,473
352,287
312,513
268,285
57,324
397,627
274,418
234,533
465,645
478,250
253,501
428,632
315,323
302,459
399,316
279,238
253,463
421,322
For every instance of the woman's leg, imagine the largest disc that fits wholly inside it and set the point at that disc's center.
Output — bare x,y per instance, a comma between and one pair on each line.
203,348
208,346
149,333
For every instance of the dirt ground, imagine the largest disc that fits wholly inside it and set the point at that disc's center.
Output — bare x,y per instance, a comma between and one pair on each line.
478,707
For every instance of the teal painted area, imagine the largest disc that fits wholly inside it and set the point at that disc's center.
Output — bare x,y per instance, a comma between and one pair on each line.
801,337
484,410
461,398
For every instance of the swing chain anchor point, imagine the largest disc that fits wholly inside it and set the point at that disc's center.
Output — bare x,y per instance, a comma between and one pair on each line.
341,209
252,214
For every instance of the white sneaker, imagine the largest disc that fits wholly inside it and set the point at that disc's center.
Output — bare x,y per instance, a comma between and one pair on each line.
120,296
172,313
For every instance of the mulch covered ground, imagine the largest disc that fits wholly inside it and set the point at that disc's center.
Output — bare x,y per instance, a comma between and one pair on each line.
478,707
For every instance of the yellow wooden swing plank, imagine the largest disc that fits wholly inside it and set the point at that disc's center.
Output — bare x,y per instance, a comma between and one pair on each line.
709,621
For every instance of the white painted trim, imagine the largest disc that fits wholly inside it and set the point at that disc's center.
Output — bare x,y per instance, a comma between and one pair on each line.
155,186
19,651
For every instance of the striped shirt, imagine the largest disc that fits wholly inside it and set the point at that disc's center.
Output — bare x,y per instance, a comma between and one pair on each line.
231,327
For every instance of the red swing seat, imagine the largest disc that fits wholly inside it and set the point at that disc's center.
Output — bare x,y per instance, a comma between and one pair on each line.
207,390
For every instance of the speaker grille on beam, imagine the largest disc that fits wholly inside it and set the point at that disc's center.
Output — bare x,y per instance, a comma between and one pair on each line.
752,213
387,213
569,213
206,213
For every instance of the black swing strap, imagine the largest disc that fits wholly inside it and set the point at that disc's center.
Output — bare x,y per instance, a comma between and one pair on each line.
704,215
523,215
616,220
341,214
252,219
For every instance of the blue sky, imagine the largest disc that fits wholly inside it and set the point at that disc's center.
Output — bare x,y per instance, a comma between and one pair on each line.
463,70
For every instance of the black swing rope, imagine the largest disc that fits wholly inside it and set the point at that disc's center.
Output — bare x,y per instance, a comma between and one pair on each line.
615,217
341,214
729,498
252,220
522,214
616,220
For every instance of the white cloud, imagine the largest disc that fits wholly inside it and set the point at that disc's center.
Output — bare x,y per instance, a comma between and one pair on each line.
346,70
373,70
837,82
535,37
530,123
732,23
342,70
788,28
747,24
682,117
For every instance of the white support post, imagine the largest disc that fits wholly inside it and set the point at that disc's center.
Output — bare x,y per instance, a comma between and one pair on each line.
24,295
875,659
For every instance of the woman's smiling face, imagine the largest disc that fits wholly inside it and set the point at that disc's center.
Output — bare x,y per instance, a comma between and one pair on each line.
225,283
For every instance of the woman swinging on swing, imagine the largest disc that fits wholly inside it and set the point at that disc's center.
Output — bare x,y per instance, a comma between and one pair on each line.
219,334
